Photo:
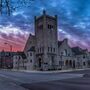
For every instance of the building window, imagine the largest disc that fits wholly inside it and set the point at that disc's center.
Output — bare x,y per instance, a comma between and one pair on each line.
54,49
19,57
31,61
83,56
30,54
65,52
46,63
27,54
51,49
50,26
9,54
25,61
69,54
61,53
84,63
40,50
48,49
16,57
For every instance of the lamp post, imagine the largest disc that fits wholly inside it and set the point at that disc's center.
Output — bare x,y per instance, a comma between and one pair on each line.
61,61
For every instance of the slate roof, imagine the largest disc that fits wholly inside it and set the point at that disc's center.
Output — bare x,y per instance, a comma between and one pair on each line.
77,51
59,43
32,49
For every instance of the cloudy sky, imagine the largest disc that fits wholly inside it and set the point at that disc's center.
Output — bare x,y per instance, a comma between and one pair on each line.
73,22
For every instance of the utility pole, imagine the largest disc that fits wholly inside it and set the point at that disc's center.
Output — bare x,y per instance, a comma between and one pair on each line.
61,61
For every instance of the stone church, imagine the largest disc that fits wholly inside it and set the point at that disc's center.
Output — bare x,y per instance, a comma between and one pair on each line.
45,41
43,51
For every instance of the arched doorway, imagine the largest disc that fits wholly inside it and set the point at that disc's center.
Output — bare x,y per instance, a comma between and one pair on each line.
70,63
39,62
73,64
66,63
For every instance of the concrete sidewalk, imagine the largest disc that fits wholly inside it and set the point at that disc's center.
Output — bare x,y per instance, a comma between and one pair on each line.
56,71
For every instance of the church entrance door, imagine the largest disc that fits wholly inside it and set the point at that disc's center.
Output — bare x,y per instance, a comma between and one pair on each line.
73,64
39,62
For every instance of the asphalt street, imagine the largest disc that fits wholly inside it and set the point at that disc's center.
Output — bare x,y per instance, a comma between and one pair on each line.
13,80
68,84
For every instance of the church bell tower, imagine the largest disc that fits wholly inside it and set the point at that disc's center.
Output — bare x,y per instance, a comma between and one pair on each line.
46,41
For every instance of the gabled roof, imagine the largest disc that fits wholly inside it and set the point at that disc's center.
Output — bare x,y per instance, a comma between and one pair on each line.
32,49
77,51
59,43
30,39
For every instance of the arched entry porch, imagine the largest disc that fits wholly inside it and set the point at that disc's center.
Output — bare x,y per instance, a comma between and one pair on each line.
73,64
68,63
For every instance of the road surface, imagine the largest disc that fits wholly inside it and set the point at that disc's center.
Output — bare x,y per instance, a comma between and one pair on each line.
13,80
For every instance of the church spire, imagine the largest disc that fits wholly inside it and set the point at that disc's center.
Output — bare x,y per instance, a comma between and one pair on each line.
44,12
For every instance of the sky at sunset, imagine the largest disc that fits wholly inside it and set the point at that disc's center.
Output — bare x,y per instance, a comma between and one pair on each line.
73,22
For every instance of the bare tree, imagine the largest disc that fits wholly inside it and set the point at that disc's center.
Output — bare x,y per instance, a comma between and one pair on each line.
10,5
5,4
0,6
8,11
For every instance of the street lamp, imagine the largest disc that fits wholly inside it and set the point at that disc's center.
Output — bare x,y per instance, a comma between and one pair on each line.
10,46
61,60
10,55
